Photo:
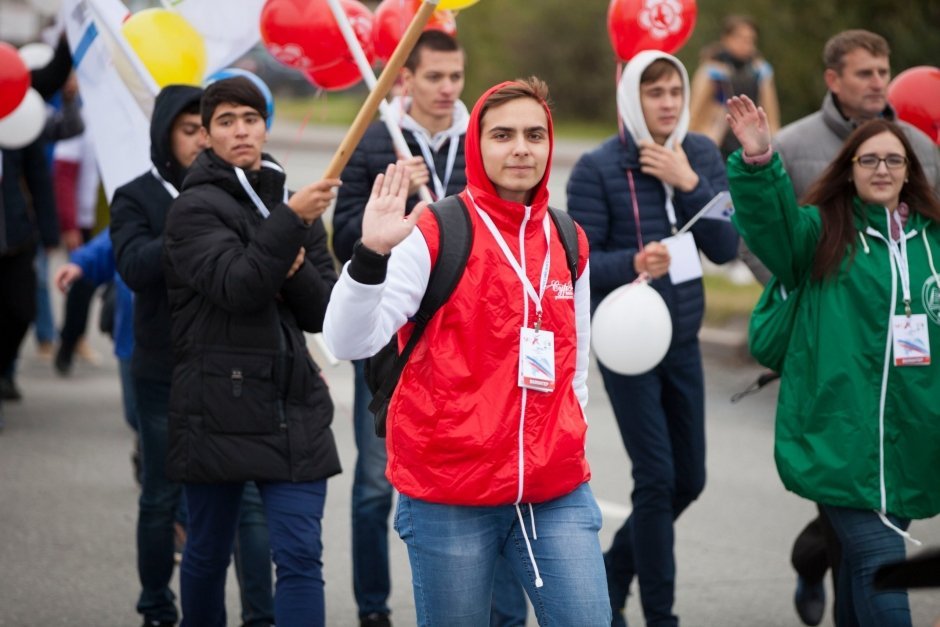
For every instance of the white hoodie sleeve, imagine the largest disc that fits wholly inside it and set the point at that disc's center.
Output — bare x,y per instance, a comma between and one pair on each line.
582,316
361,319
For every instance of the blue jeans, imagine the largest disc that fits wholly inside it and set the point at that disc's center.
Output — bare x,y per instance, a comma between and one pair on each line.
294,512
253,560
371,505
867,544
44,326
454,551
661,415
159,501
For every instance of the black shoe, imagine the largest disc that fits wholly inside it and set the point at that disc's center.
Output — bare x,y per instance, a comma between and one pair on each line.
810,601
9,391
375,620
157,623
63,358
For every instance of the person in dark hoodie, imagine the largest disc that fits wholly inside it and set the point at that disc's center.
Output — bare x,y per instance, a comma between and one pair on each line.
631,193
248,272
138,216
487,455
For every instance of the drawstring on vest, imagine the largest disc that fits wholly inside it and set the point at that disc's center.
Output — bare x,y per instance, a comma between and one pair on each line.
528,545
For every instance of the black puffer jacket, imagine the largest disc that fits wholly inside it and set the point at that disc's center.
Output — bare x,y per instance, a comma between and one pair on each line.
247,401
138,217
371,157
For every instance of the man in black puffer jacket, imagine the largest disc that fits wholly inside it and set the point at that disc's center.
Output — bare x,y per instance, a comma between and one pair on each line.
138,218
248,271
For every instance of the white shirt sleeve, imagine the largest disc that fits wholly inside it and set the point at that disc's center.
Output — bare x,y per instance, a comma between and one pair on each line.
582,316
361,319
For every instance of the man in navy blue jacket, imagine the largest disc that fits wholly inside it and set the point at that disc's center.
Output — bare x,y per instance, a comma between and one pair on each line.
628,194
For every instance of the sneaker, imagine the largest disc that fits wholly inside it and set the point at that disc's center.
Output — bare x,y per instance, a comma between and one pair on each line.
375,620
179,542
810,601
63,358
45,351
9,391
87,354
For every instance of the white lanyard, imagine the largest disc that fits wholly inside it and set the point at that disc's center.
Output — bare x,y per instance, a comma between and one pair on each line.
899,252
252,194
670,209
440,188
172,191
520,269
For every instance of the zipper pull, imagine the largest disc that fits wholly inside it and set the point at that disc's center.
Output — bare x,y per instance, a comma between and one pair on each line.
237,381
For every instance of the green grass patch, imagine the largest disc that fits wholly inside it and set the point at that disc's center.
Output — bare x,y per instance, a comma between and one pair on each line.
726,301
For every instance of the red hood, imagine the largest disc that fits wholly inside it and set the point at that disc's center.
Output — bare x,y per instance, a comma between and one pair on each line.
480,185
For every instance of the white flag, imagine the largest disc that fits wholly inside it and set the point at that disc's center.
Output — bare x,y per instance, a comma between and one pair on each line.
117,90
718,208
118,126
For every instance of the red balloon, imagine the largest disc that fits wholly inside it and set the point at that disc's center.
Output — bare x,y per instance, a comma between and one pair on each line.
635,25
915,96
392,17
14,79
336,77
303,34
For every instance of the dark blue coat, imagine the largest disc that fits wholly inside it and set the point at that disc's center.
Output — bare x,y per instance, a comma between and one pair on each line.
599,200
371,157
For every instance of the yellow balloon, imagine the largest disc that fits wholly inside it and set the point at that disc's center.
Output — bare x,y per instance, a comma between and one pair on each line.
169,47
455,5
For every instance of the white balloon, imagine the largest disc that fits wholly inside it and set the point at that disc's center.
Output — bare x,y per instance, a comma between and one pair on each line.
21,127
36,55
631,329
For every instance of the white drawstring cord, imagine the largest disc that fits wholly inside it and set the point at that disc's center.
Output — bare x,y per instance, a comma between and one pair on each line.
933,269
887,523
861,236
528,545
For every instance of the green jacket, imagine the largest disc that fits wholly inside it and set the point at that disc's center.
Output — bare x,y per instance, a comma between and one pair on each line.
852,429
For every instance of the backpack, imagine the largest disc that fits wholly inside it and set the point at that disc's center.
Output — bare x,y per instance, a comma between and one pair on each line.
383,370
771,325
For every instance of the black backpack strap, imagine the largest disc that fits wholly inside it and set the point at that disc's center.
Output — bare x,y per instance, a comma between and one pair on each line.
456,238
569,239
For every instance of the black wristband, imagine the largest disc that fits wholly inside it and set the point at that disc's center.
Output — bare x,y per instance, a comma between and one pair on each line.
367,266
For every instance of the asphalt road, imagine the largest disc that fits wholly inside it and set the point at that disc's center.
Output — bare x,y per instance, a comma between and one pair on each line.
68,500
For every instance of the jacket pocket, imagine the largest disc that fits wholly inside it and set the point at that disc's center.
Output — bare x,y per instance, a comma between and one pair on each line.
239,393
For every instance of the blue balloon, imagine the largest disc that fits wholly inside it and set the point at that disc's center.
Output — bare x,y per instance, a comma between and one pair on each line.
232,72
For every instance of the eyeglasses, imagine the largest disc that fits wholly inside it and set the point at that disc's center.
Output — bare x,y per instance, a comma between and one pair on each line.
871,161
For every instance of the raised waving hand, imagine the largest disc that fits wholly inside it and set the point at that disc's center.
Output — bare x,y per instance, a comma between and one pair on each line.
384,223
749,124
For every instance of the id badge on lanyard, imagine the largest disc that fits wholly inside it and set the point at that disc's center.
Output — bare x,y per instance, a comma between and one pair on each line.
536,345
537,359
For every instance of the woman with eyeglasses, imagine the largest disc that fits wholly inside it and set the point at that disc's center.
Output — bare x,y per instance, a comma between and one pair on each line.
858,415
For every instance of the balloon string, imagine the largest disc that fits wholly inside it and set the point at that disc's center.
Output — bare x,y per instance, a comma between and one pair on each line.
618,72
636,210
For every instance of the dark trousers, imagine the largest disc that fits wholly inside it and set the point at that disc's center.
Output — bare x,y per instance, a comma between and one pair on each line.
17,304
293,512
661,415
77,303
816,549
